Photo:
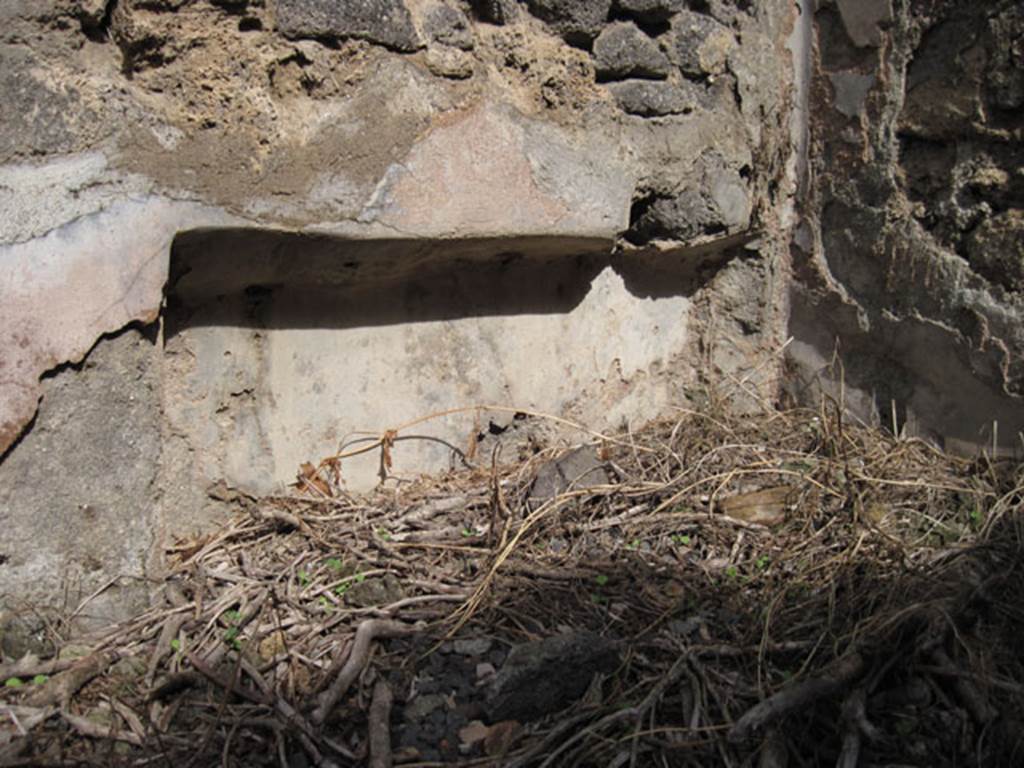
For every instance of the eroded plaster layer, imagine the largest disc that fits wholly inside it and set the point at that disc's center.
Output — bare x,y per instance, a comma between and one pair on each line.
275,366
908,303
538,218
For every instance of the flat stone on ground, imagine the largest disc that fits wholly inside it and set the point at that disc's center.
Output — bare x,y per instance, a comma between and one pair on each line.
544,676
579,468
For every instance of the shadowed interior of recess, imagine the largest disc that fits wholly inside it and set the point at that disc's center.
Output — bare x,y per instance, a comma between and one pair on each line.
278,344
261,278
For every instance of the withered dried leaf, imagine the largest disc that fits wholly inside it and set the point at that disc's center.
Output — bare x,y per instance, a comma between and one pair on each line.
308,479
387,441
764,507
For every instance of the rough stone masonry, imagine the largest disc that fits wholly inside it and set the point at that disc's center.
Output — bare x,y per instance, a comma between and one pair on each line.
233,232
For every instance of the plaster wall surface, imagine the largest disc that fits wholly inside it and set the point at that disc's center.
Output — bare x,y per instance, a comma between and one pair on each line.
265,377
535,219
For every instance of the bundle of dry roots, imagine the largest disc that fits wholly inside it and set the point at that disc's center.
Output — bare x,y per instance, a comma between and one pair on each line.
771,590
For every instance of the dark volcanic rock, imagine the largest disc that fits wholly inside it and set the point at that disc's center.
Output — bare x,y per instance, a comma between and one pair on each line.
547,675
996,249
494,11
385,22
681,217
622,51
699,45
578,22
650,11
648,98
378,591
1006,58
719,204
448,26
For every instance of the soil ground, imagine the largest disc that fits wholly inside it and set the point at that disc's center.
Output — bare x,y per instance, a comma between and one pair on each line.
773,589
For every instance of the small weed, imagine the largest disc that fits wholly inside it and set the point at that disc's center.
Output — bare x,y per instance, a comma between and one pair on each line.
634,544
176,644
359,578
467,532
304,578
732,572
762,562
326,604
905,727
231,638
341,589
681,540
13,682
334,564
597,599
601,579
232,617
40,679
384,533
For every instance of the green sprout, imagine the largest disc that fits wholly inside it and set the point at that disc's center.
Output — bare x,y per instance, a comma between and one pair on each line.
360,578
326,604
681,540
762,562
467,532
176,644
334,563
13,682
731,572
233,616
231,638
40,679
384,533
634,544
341,589
304,578
601,579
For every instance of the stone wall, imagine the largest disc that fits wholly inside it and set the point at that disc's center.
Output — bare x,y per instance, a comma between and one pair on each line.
317,216
909,298
234,232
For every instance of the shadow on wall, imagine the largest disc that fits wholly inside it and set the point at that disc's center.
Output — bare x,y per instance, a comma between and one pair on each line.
277,345
908,374
320,281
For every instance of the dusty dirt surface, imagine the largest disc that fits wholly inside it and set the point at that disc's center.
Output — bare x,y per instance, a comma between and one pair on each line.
784,588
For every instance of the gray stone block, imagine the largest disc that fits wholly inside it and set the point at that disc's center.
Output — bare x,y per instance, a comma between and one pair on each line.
578,22
447,25
650,11
579,468
647,98
622,51
384,22
699,45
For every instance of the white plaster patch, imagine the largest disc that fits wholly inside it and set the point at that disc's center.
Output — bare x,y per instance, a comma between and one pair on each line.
311,386
487,175
65,289
36,198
